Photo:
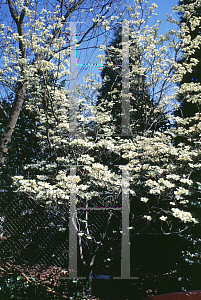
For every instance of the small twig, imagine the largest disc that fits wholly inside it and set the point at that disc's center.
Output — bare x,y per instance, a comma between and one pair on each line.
98,246
16,269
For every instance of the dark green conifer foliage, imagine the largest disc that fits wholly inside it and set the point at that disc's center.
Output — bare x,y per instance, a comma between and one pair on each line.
189,109
142,106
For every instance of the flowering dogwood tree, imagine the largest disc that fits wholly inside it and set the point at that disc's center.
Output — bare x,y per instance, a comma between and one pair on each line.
37,39
159,172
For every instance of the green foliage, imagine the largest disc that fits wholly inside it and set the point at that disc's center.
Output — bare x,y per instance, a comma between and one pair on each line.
15,287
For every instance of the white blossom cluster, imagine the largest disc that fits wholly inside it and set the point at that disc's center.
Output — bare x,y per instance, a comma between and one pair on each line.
183,215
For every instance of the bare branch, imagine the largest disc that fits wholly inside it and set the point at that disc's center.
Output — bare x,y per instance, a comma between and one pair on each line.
14,14
23,12
67,15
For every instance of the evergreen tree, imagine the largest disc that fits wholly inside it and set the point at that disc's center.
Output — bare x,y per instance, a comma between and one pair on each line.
143,114
187,108
188,112
189,101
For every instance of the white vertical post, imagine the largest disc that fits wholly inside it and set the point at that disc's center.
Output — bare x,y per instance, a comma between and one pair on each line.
125,123
72,227
72,86
125,254
125,243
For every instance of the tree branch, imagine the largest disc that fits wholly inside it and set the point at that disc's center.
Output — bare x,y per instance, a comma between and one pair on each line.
67,15
98,246
15,112
23,12
14,15
4,112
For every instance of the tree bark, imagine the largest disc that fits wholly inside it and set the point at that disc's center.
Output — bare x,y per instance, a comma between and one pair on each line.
14,114
21,90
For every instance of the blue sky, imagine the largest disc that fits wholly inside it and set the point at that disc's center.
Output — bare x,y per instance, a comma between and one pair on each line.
84,56
163,8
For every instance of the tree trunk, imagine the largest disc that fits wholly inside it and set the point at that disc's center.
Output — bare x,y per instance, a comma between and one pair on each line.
21,90
14,114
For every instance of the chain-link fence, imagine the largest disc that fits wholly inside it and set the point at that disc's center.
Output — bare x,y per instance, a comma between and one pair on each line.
35,238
